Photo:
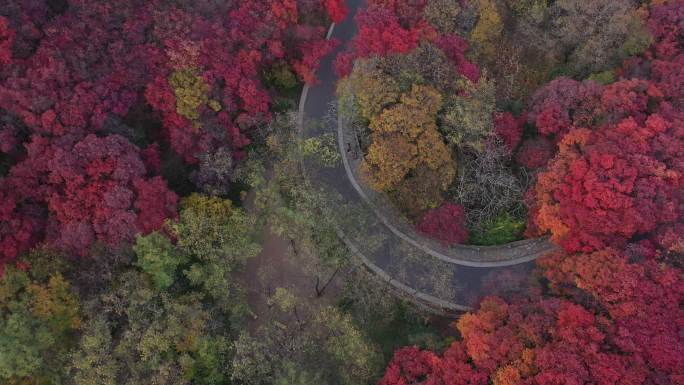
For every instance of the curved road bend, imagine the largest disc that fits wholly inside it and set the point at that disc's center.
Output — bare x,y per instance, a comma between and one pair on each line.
451,279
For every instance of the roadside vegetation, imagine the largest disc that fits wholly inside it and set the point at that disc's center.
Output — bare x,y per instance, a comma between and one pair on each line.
156,226
487,121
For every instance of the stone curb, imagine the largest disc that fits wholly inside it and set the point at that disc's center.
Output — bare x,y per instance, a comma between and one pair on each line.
426,301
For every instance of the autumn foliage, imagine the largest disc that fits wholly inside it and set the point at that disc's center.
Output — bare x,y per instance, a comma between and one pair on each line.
20,224
611,196
95,189
535,152
618,173
617,324
397,27
75,81
606,187
415,88
380,33
509,129
337,10
563,104
404,138
6,41
446,224
640,298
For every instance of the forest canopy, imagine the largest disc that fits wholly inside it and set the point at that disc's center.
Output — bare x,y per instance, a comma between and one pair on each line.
592,129
158,224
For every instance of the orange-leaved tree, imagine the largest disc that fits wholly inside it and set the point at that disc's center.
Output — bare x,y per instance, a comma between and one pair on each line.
405,137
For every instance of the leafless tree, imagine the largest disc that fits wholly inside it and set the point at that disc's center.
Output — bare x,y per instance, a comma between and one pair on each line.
487,186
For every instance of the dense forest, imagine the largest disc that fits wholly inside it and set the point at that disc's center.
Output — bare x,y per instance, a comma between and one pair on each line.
156,226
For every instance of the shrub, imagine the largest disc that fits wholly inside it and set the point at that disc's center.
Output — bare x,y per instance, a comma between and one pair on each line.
446,224
509,129
487,186
503,229
535,153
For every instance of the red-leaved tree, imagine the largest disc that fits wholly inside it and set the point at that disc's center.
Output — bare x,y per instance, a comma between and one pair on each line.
509,129
613,198
455,47
642,301
446,224
21,223
379,33
6,41
200,66
337,9
390,27
612,322
563,104
535,152
95,190
74,78
606,187
618,176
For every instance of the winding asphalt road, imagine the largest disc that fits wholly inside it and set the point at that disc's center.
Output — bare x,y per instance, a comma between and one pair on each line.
443,279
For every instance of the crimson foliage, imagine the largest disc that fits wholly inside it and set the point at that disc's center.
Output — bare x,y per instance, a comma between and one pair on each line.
95,189
337,10
19,223
68,75
390,27
509,129
619,324
606,187
619,172
613,197
6,41
562,104
446,224
97,58
379,33
535,152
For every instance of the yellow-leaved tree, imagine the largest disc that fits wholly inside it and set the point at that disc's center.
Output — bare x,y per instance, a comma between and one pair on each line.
405,144
371,89
489,28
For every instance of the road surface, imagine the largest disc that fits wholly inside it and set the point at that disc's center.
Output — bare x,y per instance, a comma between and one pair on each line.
442,279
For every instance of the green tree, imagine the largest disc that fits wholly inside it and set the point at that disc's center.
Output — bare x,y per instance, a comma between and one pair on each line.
355,359
305,342
217,238
158,258
39,319
281,76
323,149
169,317
136,334
293,375
251,364
93,363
